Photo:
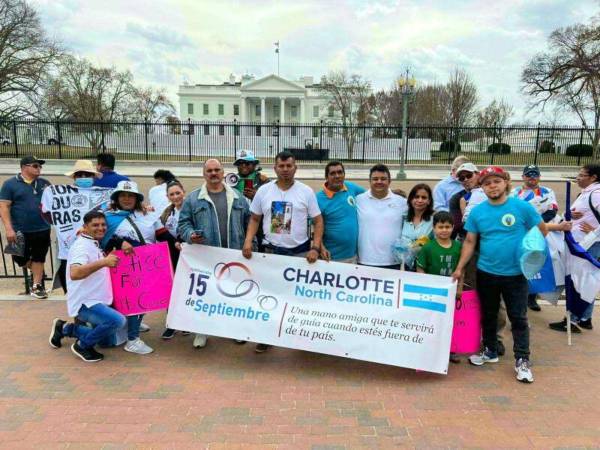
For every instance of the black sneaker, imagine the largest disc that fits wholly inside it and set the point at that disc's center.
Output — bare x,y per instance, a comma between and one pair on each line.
533,304
168,333
87,354
587,324
261,348
56,333
38,291
454,358
562,326
500,348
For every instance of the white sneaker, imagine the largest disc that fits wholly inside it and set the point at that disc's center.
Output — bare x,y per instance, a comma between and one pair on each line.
144,328
523,371
200,340
138,346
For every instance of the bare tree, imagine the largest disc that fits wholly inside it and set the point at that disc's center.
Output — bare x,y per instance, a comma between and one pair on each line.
25,56
497,113
460,99
93,96
350,98
568,74
152,104
428,105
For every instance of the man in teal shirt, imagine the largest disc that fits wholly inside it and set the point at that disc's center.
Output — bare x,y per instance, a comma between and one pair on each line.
338,207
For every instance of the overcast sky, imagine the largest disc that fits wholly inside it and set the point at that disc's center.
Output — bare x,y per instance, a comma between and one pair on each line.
166,42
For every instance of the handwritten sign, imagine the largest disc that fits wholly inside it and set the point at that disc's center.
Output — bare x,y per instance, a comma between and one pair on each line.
466,334
142,281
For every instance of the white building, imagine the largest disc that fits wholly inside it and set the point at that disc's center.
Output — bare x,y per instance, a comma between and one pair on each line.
266,101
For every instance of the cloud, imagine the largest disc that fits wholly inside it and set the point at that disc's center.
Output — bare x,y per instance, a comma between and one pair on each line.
164,42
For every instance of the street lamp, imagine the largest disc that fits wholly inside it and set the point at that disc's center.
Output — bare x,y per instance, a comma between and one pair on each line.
406,86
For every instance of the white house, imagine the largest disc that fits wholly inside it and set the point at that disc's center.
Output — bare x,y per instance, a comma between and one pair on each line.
265,100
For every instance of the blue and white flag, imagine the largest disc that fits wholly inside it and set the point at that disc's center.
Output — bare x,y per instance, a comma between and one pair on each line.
582,271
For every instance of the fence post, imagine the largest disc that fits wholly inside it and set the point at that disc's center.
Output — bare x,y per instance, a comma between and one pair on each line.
189,129
235,129
59,138
450,145
493,146
321,134
579,150
537,145
102,144
363,139
16,140
146,136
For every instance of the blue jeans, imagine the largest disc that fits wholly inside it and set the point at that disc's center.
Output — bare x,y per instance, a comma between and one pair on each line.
133,326
513,290
105,322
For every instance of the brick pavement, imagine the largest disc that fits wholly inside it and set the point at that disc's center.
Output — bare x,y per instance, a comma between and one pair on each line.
225,396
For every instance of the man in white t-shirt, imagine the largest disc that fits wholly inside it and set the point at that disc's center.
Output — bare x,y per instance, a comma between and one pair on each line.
286,205
380,214
89,293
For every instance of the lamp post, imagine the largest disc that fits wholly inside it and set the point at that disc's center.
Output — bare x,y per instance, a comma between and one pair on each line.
406,86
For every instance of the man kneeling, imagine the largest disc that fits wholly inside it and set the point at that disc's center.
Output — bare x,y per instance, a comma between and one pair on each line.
89,293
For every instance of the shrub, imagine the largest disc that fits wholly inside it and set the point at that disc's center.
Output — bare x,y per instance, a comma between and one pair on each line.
580,150
499,148
450,146
547,147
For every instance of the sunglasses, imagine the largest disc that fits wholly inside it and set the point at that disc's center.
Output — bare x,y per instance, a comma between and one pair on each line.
466,176
35,166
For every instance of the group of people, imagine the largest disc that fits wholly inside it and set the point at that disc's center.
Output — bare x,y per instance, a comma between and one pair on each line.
468,227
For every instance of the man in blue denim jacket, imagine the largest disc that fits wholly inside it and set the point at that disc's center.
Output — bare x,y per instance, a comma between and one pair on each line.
214,215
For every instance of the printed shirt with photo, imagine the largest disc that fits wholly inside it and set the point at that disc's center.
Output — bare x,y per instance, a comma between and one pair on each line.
172,221
66,205
288,227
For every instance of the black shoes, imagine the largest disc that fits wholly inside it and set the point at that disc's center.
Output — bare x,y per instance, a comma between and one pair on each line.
87,354
38,291
587,324
56,333
500,348
168,333
533,304
261,348
562,326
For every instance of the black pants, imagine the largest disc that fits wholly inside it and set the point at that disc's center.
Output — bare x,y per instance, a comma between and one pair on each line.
514,290
62,274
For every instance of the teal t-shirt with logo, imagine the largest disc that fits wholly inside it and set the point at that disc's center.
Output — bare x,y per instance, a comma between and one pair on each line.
501,229
341,221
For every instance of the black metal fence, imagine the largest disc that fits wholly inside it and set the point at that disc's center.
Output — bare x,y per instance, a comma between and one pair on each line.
192,141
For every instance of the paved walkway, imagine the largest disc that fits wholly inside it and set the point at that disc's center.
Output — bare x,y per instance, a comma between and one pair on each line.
225,396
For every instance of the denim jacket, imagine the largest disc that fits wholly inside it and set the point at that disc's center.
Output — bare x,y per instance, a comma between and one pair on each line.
198,213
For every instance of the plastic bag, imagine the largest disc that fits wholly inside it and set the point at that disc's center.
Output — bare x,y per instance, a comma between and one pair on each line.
532,253
404,250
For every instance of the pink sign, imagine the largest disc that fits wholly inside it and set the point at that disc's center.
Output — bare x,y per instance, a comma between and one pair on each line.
466,334
142,281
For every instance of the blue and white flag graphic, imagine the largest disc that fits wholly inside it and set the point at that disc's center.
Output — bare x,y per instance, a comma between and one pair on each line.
424,297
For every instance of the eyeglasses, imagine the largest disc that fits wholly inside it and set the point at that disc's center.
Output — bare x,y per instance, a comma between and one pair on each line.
466,176
35,166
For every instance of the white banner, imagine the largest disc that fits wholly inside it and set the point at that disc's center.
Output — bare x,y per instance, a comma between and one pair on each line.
380,315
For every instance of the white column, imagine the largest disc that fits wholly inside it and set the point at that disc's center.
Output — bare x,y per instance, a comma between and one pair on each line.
263,110
302,118
281,109
243,117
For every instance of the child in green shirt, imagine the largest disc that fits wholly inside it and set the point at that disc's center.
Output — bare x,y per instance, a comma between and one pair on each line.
440,256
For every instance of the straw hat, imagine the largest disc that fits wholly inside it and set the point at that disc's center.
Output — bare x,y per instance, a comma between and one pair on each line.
83,165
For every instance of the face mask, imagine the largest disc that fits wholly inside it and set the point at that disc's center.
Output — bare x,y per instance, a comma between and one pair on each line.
84,182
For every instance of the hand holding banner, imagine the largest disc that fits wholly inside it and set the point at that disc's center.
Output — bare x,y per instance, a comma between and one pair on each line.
142,281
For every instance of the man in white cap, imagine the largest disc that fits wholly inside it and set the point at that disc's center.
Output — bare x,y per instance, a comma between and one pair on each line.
64,205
